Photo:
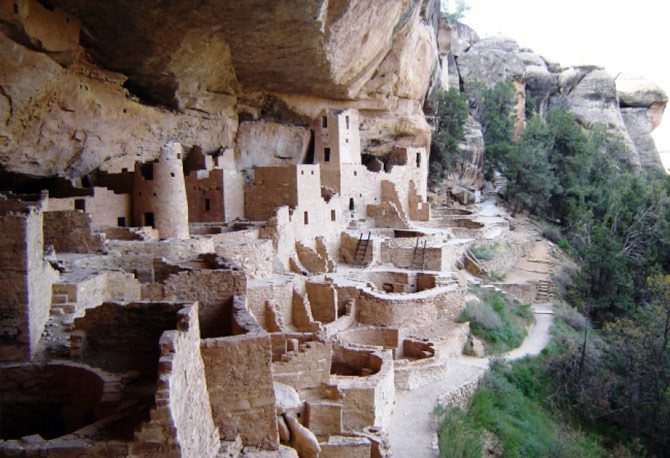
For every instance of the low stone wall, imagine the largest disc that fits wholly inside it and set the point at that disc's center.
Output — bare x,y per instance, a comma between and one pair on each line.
300,360
409,309
460,395
367,400
254,256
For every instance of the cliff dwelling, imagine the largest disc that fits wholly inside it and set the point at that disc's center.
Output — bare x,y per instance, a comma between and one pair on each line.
217,237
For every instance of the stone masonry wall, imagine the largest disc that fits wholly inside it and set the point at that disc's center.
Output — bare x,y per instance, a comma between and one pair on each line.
181,423
70,232
239,380
25,283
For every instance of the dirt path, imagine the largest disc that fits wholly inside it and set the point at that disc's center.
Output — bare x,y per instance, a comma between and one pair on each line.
412,432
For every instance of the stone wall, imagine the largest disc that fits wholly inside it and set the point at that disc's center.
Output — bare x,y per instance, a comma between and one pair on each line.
409,309
181,423
239,380
254,256
25,282
106,208
70,232
300,360
212,289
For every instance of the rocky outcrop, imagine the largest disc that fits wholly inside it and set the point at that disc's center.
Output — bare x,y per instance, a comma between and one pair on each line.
150,72
70,121
642,105
469,168
540,82
589,93
491,60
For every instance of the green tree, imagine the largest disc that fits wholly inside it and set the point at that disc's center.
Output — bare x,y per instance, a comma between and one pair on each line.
493,108
445,147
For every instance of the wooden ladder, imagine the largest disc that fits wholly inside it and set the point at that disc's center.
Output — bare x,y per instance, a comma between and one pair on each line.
361,250
419,257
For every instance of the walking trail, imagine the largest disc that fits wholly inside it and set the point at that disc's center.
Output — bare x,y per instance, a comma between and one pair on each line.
412,432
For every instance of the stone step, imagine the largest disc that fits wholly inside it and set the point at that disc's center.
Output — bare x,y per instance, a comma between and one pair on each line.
57,298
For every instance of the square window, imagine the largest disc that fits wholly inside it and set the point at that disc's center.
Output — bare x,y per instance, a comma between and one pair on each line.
80,204
121,221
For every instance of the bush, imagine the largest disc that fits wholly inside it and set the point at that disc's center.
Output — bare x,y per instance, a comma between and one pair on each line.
458,436
482,315
484,252
501,324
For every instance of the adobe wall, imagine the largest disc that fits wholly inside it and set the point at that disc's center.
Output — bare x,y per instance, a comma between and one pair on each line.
239,380
215,195
271,292
323,301
367,400
70,231
304,367
256,257
133,348
181,423
106,208
91,291
409,309
272,187
212,289
164,195
25,283
288,227
339,132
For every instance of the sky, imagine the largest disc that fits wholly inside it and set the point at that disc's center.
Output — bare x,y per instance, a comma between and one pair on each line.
622,36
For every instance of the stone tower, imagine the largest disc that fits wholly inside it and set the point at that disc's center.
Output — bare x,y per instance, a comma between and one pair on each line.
159,194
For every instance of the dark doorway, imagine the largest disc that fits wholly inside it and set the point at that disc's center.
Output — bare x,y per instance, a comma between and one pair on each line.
149,219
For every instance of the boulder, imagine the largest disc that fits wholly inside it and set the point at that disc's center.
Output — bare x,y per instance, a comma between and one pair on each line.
636,91
462,195
491,60
469,168
302,439
287,398
639,126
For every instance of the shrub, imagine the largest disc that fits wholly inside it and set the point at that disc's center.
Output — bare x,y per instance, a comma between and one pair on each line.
501,324
482,315
484,252
458,435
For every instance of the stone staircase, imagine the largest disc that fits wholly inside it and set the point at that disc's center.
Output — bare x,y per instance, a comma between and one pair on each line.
545,291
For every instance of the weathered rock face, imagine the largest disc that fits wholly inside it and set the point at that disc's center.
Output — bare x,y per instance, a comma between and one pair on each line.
268,143
491,60
590,94
642,105
210,63
312,47
470,169
69,121
540,83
